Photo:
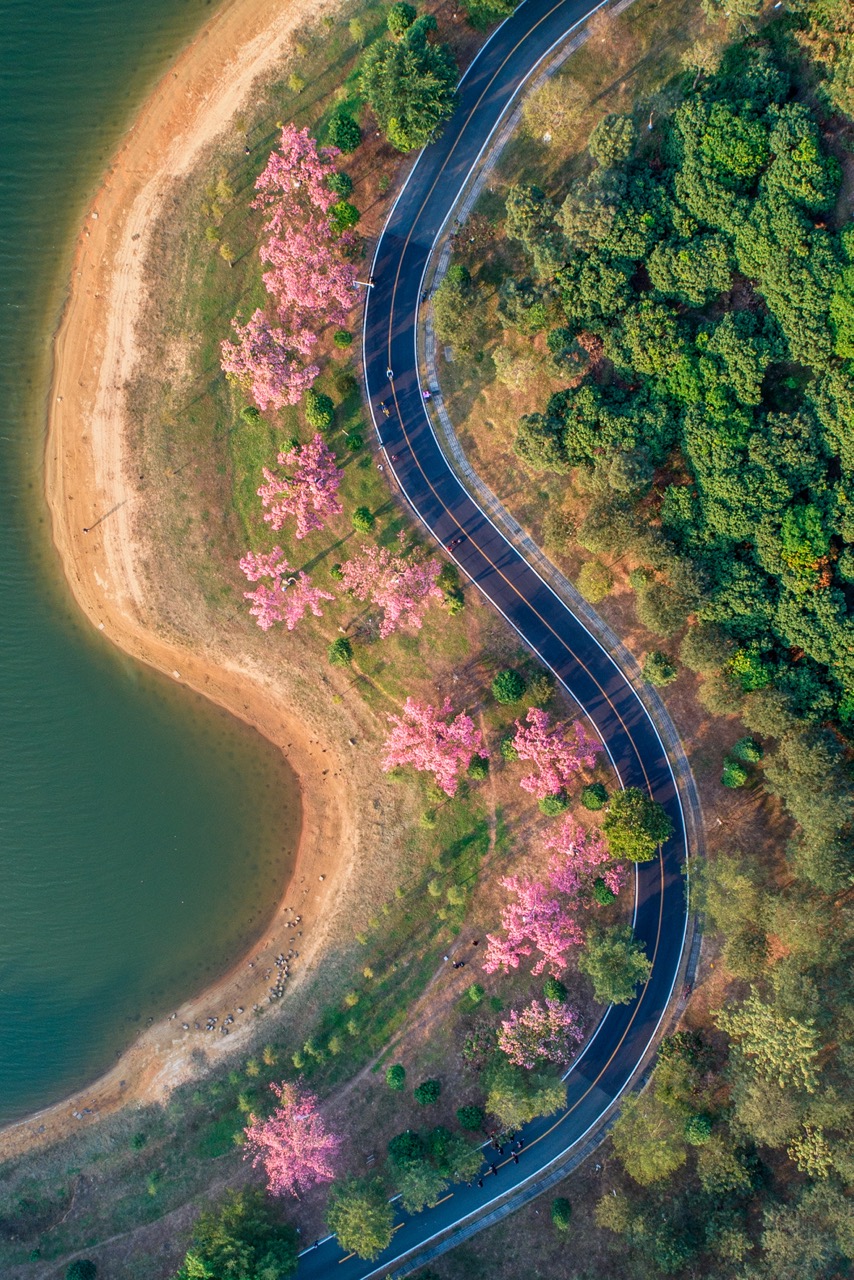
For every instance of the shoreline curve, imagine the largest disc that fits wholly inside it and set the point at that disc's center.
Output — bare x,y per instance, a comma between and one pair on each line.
86,472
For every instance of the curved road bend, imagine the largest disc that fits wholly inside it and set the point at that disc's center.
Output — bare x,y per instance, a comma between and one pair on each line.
548,627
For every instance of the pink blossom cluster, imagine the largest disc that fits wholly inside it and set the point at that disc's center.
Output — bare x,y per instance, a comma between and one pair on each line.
293,1144
310,281
434,740
580,858
537,921
309,493
288,598
549,1033
557,752
399,585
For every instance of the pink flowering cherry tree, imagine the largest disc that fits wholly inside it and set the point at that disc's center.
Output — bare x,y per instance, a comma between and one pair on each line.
290,596
309,493
310,280
296,179
541,1033
433,740
537,921
293,1145
580,857
269,363
557,752
399,585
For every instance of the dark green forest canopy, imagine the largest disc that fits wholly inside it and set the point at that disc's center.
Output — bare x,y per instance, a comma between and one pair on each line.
705,261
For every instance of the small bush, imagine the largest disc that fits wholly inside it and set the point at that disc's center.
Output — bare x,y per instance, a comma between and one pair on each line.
698,1130
342,216
343,132
602,893
594,796
541,690
342,338
471,1118
456,895
138,1141
476,993
561,1213
336,573
354,441
553,989
734,773
340,652
434,888
427,1093
594,581
319,410
747,751
341,184
508,686
250,414
395,1077
401,17
639,578
363,520
81,1269
658,670
508,750
478,768
406,1146
553,806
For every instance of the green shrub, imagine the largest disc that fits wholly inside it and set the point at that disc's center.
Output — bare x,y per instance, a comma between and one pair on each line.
363,520
343,132
561,1213
508,750
658,669
478,768
602,893
81,1269
508,686
354,441
594,581
401,17
553,989
395,1077
408,1145
471,1118
342,216
540,690
250,414
594,796
342,338
698,1129
475,993
340,652
138,1141
319,410
734,773
553,806
342,185
336,573
427,1093
746,750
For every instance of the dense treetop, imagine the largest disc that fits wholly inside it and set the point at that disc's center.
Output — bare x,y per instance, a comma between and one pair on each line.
706,261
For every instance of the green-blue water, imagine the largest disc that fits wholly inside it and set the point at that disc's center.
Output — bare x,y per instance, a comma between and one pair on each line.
144,836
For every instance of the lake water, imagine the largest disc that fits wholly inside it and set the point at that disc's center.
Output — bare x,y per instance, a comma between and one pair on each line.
144,835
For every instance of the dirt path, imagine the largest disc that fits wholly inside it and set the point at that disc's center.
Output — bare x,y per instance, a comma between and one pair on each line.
92,498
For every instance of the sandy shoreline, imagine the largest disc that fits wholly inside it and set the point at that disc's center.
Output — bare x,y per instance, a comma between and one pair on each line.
89,484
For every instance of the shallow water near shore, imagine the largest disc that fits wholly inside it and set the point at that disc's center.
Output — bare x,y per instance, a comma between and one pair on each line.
145,836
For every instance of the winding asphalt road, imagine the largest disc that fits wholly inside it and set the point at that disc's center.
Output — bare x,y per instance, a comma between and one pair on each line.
543,622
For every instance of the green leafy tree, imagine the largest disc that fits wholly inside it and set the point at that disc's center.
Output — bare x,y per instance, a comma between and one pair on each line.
658,669
410,85
647,1139
615,962
553,989
427,1093
453,301
594,581
698,1129
81,1269
342,216
395,1077
778,1046
594,796
613,140
419,1184
401,17
516,1096
561,1213
340,652
471,1117
508,687
343,132
319,410
359,1214
635,825
237,1239
363,520
341,184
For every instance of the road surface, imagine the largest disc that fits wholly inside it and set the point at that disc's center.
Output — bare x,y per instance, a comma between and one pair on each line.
546,625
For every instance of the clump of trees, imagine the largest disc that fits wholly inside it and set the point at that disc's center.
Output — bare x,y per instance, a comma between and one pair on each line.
409,83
